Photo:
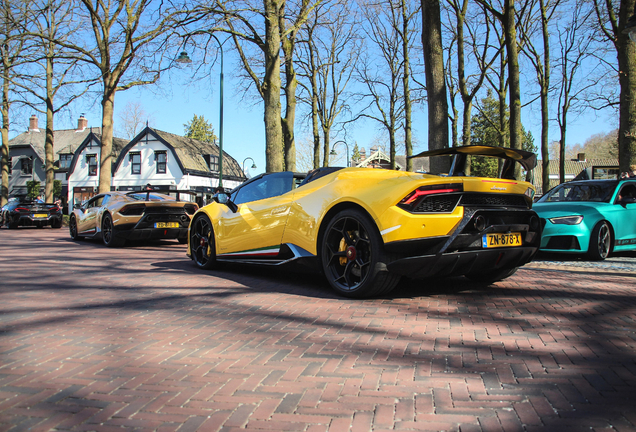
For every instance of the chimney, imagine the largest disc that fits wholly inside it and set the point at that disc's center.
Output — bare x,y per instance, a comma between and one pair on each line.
33,124
580,157
82,123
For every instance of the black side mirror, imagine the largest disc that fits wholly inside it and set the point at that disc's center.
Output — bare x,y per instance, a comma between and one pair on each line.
223,198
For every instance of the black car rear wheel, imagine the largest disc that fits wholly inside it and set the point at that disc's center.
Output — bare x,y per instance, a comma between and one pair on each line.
353,256
72,229
109,235
600,242
202,247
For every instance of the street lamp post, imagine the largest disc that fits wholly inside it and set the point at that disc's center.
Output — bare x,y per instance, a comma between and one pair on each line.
333,151
183,58
253,163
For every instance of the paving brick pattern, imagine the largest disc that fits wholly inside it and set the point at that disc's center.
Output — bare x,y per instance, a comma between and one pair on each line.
96,339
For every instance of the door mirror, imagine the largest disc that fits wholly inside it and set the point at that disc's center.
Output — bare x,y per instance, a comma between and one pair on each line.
223,198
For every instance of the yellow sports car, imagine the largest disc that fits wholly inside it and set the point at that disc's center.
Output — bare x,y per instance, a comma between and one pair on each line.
115,217
365,228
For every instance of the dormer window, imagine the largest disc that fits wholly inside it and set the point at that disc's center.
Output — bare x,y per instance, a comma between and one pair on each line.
91,161
212,161
135,163
65,161
161,157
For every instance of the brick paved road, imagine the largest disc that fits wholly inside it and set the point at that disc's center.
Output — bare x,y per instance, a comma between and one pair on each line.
138,339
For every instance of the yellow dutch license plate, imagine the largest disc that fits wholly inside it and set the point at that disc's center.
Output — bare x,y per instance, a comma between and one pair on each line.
40,215
501,240
166,224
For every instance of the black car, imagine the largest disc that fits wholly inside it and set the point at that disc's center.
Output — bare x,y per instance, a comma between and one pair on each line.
22,211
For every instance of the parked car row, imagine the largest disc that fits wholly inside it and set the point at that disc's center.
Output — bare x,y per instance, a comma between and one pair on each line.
364,229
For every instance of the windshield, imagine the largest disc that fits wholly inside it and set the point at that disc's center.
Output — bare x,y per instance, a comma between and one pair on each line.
145,196
592,191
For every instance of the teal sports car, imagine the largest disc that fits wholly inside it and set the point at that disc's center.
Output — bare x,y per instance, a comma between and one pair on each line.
593,217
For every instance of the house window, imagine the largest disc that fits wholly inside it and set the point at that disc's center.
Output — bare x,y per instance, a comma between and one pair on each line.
160,160
214,163
26,167
65,161
135,163
91,161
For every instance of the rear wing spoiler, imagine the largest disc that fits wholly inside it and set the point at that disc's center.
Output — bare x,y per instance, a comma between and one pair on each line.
164,192
526,159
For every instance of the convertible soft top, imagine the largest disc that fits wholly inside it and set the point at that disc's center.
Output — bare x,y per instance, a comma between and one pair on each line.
528,160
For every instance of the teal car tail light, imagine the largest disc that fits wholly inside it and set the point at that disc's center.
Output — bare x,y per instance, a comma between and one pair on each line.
567,220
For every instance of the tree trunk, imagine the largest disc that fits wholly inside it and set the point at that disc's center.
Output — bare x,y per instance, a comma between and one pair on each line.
271,89
290,103
4,160
406,77
545,88
106,158
49,153
627,79
513,79
435,82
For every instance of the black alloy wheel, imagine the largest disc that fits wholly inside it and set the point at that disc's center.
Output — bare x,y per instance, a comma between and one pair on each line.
600,242
109,236
72,229
202,248
353,256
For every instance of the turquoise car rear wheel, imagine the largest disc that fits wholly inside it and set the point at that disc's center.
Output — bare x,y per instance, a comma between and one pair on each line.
600,241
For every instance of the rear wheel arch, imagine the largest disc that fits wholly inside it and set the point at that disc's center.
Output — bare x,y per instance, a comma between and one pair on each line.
331,213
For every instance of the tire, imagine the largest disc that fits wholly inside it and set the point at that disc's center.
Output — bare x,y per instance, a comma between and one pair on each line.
72,229
12,224
600,242
202,245
56,223
353,257
109,235
492,277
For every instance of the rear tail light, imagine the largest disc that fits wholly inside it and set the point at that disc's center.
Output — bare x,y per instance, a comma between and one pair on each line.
191,208
22,209
411,200
54,209
133,210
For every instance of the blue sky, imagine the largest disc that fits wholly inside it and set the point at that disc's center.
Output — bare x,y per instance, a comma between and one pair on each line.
244,133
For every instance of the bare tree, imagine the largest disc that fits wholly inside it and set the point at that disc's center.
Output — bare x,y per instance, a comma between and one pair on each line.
54,80
435,83
612,19
540,12
330,50
13,55
574,51
259,33
132,119
507,16
128,47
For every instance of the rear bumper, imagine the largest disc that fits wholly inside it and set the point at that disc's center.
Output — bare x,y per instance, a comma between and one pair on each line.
153,233
462,263
28,220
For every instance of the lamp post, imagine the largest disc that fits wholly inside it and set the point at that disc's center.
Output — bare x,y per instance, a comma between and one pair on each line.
183,58
333,152
253,163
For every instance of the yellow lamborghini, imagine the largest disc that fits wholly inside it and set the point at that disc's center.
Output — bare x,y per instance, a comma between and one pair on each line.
116,217
365,228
